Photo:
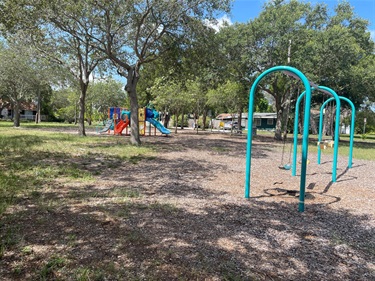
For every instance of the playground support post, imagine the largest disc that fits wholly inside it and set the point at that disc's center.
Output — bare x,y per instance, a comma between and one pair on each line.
305,138
337,129
336,137
352,124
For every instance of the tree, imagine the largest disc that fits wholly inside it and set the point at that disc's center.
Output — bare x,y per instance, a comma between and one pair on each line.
278,23
363,127
103,94
330,49
225,97
134,33
63,32
18,78
64,104
171,96
236,65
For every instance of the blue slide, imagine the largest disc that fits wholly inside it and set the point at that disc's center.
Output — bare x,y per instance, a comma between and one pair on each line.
107,126
158,126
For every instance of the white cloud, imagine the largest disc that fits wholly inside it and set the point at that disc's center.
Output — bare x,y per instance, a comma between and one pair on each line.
219,23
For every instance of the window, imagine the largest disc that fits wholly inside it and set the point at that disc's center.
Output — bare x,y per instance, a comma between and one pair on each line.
269,121
258,122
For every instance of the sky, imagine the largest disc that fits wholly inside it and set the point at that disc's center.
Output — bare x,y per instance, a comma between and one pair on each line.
245,10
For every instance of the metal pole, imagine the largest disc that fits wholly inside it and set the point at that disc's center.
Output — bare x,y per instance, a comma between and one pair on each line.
337,128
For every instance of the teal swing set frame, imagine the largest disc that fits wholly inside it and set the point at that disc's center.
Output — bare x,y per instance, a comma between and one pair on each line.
309,87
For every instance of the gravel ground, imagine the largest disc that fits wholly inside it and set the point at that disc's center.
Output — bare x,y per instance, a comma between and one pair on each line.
266,235
190,220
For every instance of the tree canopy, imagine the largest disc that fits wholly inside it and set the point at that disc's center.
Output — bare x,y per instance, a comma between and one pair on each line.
183,60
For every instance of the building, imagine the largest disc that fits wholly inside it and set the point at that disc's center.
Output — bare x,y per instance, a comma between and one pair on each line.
262,121
265,121
28,112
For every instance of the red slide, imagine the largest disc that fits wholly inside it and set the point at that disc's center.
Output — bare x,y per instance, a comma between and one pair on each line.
120,126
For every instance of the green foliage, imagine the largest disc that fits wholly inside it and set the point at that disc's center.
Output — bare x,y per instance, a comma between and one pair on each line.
64,104
228,97
206,124
360,126
179,121
18,77
263,106
171,96
49,269
102,95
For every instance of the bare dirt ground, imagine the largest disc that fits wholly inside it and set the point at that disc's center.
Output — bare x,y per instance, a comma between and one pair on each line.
182,215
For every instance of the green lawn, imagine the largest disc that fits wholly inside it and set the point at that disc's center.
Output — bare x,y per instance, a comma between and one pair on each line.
363,148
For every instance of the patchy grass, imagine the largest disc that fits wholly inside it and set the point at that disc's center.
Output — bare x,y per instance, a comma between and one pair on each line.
33,159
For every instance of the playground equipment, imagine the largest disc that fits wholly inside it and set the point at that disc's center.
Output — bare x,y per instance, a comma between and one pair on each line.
326,143
107,126
123,122
352,124
152,117
336,136
291,71
119,120
288,165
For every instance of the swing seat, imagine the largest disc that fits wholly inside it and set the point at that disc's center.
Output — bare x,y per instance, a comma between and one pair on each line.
286,167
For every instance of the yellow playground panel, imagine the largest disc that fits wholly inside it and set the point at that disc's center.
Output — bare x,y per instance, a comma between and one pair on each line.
142,120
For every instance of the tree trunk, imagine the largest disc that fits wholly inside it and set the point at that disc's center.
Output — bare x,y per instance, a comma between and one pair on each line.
16,114
89,114
81,116
332,121
182,120
282,122
131,89
38,117
239,119
326,131
196,120
278,129
176,121
204,118
75,114
313,125
166,119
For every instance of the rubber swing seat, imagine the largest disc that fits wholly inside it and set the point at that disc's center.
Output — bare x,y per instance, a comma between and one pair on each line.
286,167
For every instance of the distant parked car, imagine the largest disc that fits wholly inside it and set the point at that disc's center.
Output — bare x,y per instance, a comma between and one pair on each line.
228,125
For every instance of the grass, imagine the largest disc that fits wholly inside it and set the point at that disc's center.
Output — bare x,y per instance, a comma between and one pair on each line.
362,149
31,158
36,161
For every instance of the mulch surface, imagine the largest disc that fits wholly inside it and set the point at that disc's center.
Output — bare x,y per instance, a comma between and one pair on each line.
182,215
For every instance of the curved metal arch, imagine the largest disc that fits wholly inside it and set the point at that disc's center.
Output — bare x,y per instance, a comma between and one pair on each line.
336,138
305,138
352,124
